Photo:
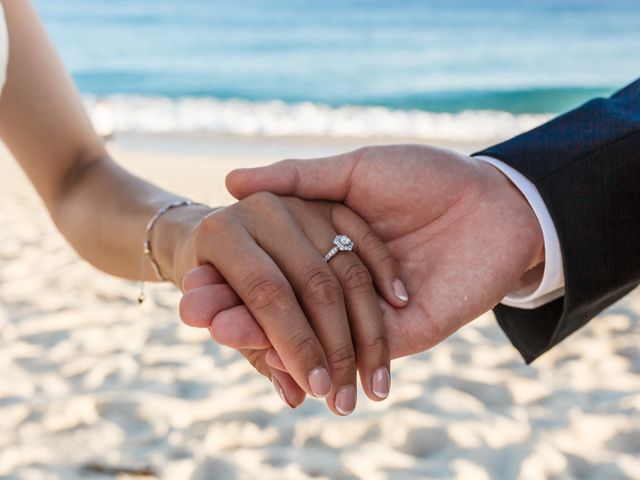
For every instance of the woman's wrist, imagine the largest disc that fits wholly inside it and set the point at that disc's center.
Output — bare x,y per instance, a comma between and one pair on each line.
171,240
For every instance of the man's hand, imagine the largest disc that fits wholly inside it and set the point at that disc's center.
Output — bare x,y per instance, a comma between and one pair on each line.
462,233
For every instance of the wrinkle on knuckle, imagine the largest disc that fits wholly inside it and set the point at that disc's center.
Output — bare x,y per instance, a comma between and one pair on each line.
266,293
343,358
300,345
376,249
429,333
437,329
375,344
357,278
368,240
321,287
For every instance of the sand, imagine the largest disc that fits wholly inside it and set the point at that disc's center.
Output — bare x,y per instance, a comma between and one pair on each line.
94,386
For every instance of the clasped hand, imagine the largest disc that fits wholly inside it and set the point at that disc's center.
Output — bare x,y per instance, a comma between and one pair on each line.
451,231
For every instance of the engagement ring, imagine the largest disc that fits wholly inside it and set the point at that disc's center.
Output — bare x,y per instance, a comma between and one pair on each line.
342,244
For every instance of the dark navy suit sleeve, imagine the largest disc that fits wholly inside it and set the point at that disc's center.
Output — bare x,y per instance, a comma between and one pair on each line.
586,166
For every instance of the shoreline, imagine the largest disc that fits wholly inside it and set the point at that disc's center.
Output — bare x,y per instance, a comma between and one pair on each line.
200,144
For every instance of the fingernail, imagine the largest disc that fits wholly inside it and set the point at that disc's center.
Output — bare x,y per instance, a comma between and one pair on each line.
278,388
399,290
381,382
346,400
320,382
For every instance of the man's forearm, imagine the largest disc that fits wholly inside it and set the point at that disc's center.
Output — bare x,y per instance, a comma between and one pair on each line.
586,168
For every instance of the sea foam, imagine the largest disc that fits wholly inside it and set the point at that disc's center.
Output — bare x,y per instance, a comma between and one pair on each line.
276,118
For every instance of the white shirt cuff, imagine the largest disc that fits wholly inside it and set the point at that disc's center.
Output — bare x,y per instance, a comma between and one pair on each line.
552,284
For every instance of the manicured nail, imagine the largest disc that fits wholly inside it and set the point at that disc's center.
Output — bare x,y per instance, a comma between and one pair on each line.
278,388
320,382
399,290
381,382
346,400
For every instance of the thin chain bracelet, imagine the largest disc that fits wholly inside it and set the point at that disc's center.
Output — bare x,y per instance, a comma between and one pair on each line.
146,246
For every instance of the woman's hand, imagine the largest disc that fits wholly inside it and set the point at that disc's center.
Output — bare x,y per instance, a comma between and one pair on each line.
319,316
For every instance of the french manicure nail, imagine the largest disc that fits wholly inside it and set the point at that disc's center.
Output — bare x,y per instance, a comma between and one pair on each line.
320,382
346,400
279,390
399,290
381,382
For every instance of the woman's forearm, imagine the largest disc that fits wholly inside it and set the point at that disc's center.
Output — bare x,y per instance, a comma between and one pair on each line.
104,212
98,206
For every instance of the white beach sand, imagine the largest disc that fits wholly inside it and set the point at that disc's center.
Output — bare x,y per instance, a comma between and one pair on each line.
90,381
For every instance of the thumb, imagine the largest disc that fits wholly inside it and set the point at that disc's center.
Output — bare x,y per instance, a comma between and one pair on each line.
317,179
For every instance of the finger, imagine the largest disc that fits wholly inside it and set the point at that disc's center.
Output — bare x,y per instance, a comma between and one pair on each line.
322,178
269,297
199,305
320,294
367,327
274,361
202,275
236,328
231,324
284,385
374,253
249,334
287,388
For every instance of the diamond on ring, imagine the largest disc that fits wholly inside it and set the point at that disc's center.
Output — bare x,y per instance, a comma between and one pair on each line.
342,244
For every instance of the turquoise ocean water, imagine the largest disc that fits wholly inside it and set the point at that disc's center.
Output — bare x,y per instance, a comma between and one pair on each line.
195,64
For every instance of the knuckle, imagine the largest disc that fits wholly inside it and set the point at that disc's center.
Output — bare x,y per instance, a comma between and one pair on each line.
427,333
357,277
210,225
264,201
266,293
213,226
439,328
343,358
300,346
369,240
321,287
377,250
374,344
263,210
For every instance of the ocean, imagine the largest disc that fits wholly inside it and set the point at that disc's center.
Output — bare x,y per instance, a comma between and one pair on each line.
447,69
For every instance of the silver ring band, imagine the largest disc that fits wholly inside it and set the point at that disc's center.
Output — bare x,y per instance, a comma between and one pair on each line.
342,244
